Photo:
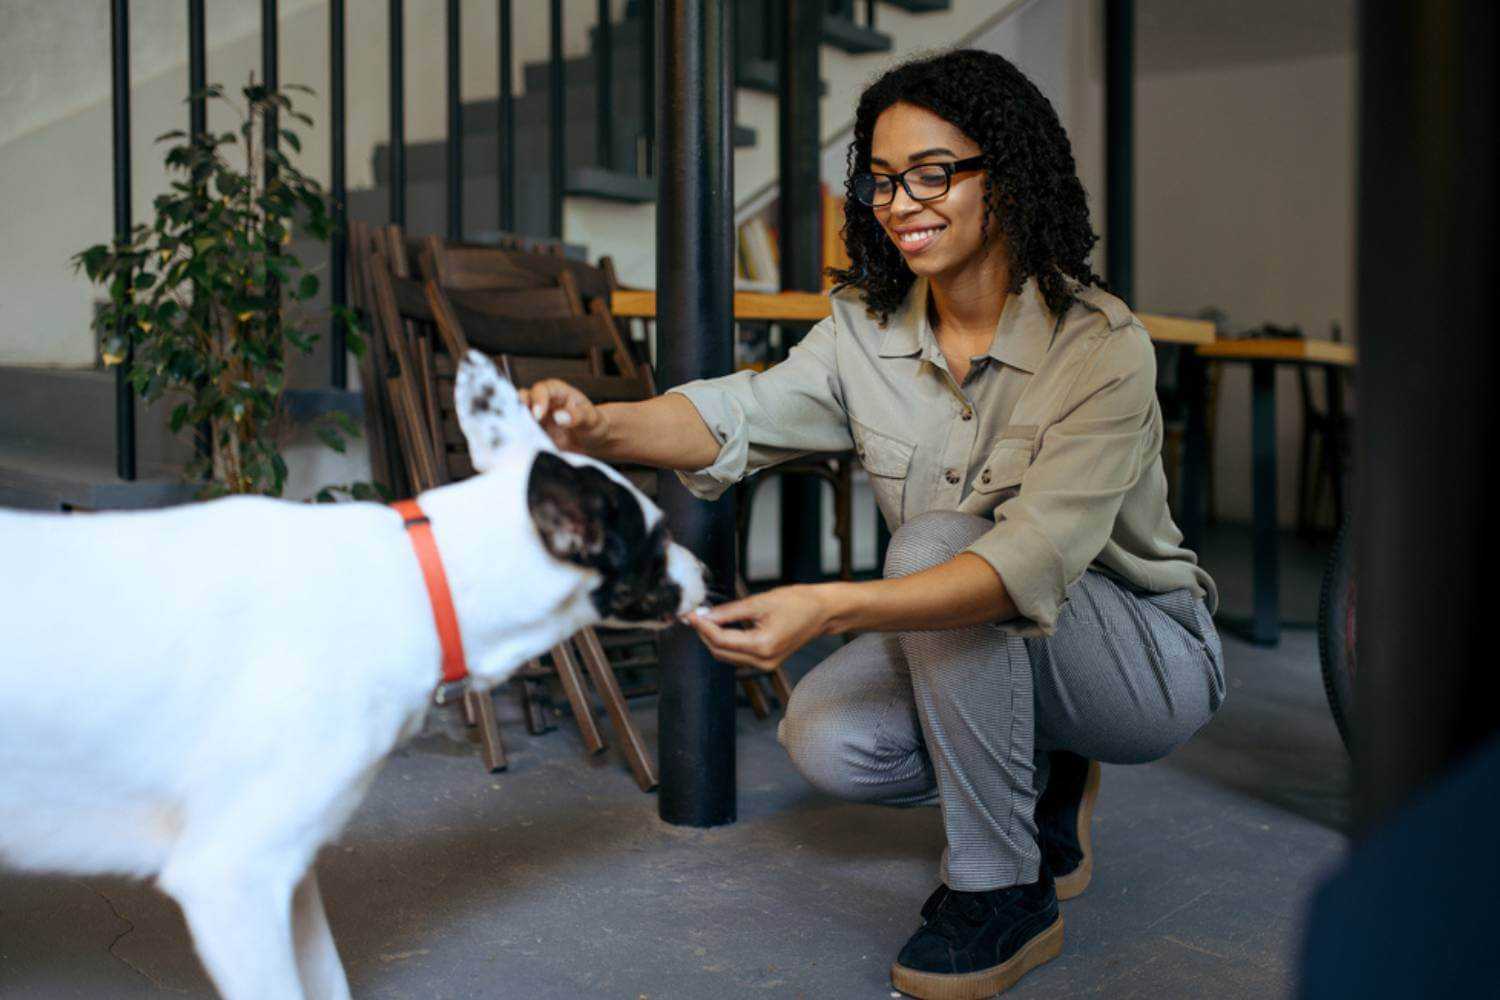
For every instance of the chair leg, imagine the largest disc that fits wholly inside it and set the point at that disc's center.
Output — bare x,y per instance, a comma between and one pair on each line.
636,754
782,687
572,683
843,522
757,696
481,708
531,705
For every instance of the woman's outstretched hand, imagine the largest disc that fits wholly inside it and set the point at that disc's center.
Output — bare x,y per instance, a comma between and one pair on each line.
763,630
567,415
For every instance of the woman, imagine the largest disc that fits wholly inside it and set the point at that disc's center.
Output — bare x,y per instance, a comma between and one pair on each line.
1038,612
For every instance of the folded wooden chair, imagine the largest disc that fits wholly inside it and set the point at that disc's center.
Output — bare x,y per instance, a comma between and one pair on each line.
404,324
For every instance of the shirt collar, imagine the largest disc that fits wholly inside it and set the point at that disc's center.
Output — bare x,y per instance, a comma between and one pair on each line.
1022,337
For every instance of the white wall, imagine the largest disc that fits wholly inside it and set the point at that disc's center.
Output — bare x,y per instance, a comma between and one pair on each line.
1245,201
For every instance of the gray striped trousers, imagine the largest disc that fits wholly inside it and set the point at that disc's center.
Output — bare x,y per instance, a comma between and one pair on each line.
964,717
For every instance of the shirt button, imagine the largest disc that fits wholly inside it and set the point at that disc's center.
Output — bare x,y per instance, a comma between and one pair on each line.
968,414
985,476
951,475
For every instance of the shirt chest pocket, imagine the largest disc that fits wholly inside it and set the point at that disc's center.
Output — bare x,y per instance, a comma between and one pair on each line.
888,461
999,478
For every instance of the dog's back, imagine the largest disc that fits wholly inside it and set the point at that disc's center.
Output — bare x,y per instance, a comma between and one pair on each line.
148,670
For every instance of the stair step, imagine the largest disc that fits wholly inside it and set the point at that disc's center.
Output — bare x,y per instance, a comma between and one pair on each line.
761,75
32,479
856,39
921,6
609,185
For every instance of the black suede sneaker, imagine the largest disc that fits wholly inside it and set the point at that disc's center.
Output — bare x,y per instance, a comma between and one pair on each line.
973,945
1064,816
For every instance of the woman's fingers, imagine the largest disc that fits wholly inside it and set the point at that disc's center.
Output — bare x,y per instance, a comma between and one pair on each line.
738,645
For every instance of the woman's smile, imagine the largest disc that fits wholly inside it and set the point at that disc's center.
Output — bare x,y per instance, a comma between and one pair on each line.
915,239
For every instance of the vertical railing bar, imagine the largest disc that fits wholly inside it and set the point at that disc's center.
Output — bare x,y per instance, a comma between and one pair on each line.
604,86
119,54
197,126
556,99
397,140
338,252
270,65
870,14
455,124
648,87
507,131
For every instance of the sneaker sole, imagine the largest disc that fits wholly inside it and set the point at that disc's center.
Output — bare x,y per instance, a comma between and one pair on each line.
1077,880
987,982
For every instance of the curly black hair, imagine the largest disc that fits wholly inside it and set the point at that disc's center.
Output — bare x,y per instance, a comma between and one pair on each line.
1030,181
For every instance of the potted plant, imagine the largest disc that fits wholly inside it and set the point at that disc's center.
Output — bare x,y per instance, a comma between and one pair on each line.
196,294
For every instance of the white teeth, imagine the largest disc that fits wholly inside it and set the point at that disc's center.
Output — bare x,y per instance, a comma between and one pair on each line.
919,235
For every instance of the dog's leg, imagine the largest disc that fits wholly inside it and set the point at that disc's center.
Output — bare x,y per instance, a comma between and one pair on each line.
317,957
241,921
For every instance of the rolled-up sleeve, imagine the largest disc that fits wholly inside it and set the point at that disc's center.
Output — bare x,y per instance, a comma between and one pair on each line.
762,418
1046,536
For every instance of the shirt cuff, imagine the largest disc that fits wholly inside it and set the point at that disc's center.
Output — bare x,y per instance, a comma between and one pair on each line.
726,422
1031,569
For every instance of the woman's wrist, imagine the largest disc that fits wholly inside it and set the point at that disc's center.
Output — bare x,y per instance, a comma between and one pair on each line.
836,604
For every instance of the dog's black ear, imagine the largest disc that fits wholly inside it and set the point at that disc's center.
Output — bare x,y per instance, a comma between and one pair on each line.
579,511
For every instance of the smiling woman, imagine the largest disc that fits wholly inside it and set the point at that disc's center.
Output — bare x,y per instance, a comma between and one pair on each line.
1039,613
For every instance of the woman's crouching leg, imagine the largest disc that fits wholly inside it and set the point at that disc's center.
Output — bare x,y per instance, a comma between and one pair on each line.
851,727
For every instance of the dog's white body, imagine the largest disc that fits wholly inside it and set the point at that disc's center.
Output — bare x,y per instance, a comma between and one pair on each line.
203,695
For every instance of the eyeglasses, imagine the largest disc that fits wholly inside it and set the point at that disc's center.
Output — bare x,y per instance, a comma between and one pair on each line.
924,182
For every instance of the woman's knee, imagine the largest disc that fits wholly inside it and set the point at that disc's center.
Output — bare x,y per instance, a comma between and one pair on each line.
831,751
931,539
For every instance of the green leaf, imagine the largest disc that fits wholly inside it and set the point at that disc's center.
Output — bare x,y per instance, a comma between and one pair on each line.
330,437
307,287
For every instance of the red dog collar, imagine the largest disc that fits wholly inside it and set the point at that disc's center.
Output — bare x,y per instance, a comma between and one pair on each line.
455,667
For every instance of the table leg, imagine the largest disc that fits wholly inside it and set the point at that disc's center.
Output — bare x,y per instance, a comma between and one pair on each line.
1265,622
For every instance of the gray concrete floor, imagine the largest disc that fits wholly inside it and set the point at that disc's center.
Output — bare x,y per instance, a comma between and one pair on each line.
556,879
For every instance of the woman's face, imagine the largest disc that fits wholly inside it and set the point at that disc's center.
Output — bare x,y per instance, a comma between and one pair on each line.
941,236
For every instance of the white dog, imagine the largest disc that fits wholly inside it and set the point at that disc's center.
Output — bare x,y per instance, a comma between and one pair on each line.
203,695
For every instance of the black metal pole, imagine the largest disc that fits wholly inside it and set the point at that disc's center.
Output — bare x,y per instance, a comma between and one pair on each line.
338,251
556,119
1424,525
604,88
507,132
455,125
798,143
397,44
270,68
695,279
1119,147
119,54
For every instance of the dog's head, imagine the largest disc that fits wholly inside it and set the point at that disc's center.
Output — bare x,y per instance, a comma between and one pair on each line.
584,512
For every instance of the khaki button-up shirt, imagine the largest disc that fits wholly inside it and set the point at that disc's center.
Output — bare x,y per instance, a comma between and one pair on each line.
1055,433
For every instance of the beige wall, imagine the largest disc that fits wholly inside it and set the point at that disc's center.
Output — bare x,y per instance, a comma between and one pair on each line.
1244,201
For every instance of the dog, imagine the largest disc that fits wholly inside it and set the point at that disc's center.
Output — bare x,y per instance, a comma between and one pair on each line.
202,695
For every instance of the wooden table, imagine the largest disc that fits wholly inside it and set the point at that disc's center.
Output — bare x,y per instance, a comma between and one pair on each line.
810,307
1263,355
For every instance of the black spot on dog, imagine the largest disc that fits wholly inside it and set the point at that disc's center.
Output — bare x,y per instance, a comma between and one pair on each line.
586,518
481,403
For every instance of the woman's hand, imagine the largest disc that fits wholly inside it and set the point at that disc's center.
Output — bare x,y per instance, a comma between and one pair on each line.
567,415
774,625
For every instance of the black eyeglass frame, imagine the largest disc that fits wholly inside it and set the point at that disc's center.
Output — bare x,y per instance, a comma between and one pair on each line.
949,169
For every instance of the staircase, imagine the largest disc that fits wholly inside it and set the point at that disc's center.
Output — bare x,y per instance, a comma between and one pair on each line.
615,174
